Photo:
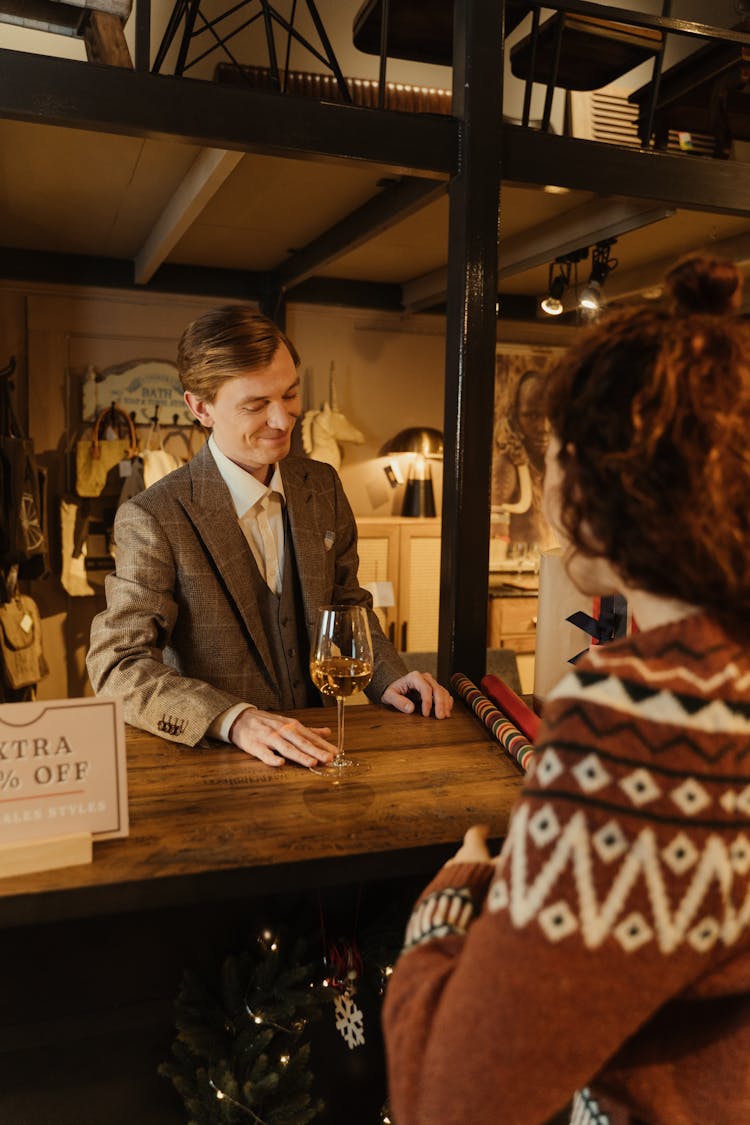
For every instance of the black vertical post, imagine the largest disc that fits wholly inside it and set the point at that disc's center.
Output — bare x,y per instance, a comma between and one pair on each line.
143,35
470,338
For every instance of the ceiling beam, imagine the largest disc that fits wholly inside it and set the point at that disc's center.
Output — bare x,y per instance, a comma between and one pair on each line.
118,273
223,284
692,183
348,293
109,99
581,227
205,176
394,203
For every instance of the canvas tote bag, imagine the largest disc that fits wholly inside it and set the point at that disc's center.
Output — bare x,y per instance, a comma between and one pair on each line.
95,456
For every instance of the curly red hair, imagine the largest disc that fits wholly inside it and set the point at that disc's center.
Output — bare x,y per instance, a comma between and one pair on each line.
652,410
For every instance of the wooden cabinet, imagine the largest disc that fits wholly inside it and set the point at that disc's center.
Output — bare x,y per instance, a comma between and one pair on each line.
406,553
512,622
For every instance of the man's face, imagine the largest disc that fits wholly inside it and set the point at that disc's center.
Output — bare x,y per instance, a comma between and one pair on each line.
253,415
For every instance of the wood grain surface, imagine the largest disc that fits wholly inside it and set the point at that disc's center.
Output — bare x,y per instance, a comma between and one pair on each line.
212,822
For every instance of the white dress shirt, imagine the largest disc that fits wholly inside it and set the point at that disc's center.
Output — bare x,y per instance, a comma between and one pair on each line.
260,514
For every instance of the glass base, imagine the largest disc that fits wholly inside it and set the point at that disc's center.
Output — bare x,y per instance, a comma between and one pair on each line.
339,769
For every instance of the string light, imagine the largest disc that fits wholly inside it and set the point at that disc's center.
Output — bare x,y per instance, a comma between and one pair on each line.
223,1096
258,1017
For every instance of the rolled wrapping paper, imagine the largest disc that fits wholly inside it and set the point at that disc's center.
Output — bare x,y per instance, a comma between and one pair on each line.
511,705
509,737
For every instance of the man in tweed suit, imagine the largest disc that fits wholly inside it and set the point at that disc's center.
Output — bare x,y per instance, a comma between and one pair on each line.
222,564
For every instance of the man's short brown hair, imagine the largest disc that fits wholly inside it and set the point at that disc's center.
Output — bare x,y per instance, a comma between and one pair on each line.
225,342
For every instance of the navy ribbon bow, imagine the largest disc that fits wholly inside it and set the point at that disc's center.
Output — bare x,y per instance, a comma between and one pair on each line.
608,626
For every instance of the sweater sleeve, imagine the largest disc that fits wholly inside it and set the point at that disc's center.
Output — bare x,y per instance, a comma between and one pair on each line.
606,901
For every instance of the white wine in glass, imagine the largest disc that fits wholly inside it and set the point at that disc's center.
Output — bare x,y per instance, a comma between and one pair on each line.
341,664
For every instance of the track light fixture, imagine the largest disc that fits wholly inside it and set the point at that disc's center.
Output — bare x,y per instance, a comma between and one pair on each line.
602,264
560,273
552,304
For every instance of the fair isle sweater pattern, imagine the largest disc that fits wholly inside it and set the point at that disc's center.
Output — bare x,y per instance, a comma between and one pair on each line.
635,820
636,814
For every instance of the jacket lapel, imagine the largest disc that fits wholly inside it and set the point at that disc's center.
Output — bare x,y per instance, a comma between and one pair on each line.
307,537
211,511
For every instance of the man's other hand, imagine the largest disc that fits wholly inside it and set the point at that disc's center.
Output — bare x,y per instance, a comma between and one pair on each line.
430,695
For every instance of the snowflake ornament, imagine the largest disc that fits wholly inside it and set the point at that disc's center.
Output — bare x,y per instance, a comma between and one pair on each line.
349,1020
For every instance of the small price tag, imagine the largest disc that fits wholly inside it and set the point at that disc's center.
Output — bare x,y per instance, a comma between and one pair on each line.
27,623
126,467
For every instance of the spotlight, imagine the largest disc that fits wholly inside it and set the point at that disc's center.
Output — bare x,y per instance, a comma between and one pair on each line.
602,264
560,273
552,303
591,297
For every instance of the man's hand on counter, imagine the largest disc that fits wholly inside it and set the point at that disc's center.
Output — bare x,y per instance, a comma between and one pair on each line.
275,739
427,691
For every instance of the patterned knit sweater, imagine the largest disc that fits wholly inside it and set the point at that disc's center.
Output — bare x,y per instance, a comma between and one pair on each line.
610,943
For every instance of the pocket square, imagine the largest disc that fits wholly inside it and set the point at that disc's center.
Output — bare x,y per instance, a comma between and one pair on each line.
329,539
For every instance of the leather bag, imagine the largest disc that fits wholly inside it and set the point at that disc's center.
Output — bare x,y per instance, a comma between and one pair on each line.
96,456
21,643
22,539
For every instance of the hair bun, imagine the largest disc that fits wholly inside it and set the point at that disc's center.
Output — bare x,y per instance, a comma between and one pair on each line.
701,284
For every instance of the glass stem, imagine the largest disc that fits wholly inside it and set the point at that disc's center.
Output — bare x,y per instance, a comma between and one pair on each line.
340,709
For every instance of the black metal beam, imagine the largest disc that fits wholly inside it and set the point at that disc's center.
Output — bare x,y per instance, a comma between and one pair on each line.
394,203
510,306
695,183
348,293
200,281
110,99
117,273
470,340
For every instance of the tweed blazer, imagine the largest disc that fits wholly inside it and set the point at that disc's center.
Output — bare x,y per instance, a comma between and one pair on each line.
182,637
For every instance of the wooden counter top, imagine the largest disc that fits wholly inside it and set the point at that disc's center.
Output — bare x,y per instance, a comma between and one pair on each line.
214,823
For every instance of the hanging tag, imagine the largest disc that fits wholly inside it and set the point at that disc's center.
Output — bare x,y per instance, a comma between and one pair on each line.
27,622
126,467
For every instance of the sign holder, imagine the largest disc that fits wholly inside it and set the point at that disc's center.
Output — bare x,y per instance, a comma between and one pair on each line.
25,857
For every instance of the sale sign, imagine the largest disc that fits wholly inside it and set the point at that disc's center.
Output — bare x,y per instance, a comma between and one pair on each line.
62,770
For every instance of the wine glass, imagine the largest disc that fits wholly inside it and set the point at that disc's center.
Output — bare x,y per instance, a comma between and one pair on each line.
341,663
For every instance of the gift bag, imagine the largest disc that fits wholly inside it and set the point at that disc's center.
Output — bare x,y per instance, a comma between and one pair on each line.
569,622
21,643
96,455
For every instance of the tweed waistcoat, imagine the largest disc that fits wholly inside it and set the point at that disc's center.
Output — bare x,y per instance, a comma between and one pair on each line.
284,622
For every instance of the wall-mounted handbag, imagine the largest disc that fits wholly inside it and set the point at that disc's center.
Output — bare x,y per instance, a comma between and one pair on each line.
21,643
22,538
157,462
97,455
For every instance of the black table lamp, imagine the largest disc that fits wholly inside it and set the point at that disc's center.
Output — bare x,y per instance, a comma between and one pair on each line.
423,445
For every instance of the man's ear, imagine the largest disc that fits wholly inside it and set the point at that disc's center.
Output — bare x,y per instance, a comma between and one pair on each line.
200,409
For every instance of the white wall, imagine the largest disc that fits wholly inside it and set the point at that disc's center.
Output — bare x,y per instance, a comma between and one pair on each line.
389,375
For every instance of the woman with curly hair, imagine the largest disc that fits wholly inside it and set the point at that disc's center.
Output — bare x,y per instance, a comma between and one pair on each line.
606,950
